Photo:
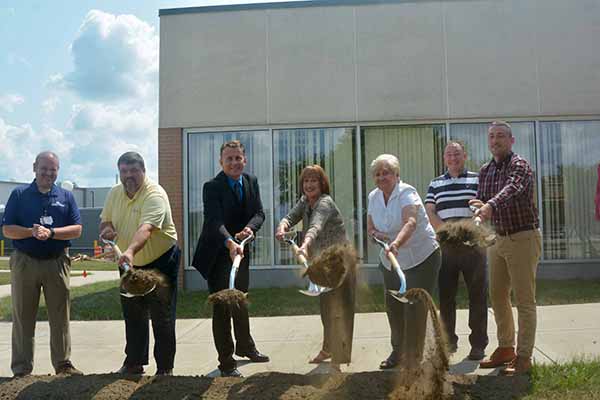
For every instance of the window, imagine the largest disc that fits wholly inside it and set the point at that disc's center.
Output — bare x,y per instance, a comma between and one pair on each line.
294,149
203,165
569,154
418,148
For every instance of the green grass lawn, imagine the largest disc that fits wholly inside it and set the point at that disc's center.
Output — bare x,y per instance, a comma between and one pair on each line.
5,276
78,266
575,380
100,301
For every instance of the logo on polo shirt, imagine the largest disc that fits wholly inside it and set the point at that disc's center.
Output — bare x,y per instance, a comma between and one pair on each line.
57,204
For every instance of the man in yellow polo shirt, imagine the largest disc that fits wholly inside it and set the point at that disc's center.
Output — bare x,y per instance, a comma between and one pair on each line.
138,214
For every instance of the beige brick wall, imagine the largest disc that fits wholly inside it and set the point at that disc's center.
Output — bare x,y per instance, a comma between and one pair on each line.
170,177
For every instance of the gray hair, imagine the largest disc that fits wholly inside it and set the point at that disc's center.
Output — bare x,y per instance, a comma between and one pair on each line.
503,124
388,161
131,157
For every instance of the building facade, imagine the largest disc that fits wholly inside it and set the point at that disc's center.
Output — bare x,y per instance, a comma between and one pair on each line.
339,82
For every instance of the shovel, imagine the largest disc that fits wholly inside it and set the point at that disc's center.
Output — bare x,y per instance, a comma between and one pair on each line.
236,262
126,268
313,289
400,293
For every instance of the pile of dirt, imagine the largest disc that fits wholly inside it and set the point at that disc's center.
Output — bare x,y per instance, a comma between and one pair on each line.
329,268
230,297
140,281
378,385
465,232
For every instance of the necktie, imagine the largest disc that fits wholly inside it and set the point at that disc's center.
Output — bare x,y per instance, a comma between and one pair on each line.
238,190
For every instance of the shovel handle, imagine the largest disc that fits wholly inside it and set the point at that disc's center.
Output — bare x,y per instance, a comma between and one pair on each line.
299,255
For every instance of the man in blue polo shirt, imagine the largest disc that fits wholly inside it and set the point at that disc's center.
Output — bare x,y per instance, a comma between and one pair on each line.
447,200
41,219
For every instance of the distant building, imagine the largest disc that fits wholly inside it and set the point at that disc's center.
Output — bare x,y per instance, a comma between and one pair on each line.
90,197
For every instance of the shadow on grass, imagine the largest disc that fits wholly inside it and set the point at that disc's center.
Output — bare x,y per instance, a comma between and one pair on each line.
492,387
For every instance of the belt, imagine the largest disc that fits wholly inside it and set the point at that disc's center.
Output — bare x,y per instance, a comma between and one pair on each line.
52,256
523,228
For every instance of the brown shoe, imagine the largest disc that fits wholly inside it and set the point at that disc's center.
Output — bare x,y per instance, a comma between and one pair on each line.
500,356
518,366
68,369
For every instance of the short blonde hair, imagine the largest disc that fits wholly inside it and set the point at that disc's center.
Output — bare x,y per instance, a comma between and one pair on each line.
388,161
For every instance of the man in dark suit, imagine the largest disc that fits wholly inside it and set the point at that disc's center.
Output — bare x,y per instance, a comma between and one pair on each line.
232,209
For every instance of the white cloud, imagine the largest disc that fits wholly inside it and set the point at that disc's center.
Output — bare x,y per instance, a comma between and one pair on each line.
15,59
115,78
49,105
115,58
9,101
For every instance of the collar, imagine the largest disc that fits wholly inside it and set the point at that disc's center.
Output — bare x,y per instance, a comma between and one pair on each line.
33,186
463,174
232,181
395,192
141,189
504,161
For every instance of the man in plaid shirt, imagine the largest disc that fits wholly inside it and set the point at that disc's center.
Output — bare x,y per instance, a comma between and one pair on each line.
505,197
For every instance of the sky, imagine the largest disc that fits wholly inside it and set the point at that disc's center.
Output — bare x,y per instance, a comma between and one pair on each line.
80,78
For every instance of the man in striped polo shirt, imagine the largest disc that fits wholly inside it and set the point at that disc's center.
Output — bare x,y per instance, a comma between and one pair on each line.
448,199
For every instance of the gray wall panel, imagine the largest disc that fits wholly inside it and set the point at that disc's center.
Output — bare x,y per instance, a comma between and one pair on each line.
400,61
212,69
569,42
311,65
491,58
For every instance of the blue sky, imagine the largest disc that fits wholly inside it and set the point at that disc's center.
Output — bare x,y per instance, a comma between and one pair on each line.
80,78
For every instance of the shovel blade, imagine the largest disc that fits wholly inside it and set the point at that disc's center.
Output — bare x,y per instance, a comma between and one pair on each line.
309,293
399,296
130,295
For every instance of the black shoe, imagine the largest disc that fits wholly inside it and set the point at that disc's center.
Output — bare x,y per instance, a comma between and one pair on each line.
254,356
21,375
131,370
390,362
234,373
476,354
164,372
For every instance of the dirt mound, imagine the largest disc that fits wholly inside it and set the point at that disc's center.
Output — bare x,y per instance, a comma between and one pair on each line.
329,268
359,386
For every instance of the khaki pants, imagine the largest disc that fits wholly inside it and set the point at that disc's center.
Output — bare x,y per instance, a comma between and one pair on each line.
27,276
513,265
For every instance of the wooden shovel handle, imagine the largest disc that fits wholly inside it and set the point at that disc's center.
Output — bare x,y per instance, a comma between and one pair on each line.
393,259
236,261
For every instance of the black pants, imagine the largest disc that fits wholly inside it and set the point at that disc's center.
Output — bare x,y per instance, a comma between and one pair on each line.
223,314
471,261
408,322
160,306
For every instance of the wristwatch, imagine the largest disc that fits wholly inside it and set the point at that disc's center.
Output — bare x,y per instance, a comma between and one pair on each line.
52,233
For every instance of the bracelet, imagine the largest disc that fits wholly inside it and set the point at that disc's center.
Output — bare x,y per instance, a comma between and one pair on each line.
52,233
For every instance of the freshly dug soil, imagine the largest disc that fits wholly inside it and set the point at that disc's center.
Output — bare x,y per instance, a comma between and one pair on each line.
329,268
231,297
465,232
271,385
139,281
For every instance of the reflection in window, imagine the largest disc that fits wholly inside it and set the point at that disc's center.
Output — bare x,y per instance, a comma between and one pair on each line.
203,165
474,136
570,153
293,149
419,150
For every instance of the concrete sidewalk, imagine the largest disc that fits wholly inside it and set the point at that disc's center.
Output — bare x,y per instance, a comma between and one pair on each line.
92,277
564,332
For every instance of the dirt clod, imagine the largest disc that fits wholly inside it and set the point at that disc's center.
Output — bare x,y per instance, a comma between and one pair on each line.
465,232
230,297
329,268
139,281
